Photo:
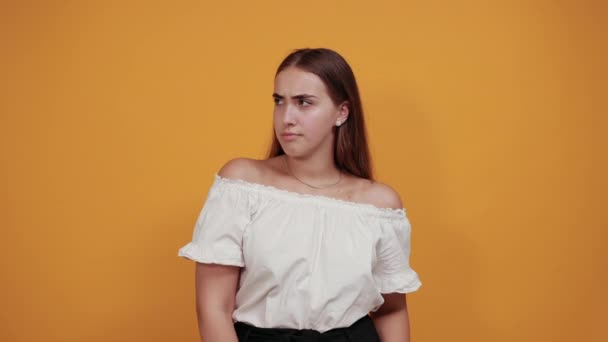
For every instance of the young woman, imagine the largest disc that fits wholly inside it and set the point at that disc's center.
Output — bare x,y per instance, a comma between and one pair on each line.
304,245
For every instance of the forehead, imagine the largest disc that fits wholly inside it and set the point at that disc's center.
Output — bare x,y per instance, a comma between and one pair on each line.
294,81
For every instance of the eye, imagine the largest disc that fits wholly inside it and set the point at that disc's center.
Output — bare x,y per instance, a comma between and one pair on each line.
277,100
303,102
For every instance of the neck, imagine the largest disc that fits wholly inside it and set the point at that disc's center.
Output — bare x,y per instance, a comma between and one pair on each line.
320,169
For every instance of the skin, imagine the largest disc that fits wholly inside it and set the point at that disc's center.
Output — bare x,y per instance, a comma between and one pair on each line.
302,106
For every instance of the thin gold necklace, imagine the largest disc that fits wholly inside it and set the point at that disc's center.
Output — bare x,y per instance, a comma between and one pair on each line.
310,185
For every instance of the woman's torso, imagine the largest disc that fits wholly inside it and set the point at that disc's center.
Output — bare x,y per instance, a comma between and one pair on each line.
309,255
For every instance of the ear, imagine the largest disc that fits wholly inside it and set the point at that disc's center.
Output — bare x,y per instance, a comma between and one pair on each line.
343,111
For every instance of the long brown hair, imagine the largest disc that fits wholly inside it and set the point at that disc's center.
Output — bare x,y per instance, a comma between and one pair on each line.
351,152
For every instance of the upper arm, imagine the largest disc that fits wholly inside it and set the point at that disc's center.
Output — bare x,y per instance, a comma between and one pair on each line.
392,302
385,196
216,284
216,287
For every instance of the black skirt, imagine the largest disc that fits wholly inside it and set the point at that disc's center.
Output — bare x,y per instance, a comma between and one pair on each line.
363,330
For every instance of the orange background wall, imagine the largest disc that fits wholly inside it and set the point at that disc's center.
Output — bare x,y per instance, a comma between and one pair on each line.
489,118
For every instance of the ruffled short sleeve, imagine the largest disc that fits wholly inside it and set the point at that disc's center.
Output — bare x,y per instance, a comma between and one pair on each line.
218,232
392,271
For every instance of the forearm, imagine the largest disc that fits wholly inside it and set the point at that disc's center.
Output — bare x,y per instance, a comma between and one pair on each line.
216,327
392,326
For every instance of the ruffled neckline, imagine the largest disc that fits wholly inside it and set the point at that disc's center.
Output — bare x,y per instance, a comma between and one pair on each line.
387,212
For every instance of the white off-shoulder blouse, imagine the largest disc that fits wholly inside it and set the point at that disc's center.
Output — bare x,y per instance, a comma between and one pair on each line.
309,261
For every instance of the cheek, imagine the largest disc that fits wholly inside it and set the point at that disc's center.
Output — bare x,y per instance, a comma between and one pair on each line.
317,123
322,118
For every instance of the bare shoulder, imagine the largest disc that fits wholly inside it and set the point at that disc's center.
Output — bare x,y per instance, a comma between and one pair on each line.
382,195
240,168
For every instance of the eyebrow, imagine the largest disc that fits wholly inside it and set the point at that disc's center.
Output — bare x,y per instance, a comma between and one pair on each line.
299,96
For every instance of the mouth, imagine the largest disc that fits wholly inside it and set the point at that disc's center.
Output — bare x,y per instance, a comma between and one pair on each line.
287,137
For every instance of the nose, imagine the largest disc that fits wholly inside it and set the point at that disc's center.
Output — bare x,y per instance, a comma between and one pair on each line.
289,114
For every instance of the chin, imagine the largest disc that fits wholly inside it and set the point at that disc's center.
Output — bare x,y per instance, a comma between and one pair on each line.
290,151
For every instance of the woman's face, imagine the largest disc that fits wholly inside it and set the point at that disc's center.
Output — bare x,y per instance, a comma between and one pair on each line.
303,107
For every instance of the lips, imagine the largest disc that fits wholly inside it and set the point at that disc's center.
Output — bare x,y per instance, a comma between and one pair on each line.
289,137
